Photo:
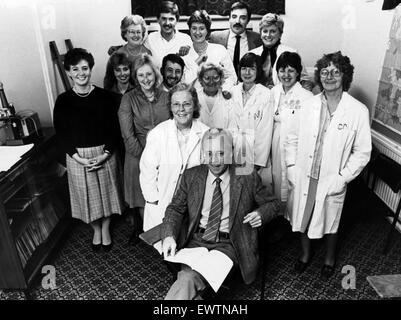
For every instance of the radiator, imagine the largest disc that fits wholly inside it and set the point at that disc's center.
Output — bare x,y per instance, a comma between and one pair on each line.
393,151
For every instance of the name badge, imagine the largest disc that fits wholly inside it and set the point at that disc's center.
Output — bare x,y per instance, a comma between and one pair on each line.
342,126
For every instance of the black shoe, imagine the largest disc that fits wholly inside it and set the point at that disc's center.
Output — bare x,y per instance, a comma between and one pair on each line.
301,266
96,247
107,247
134,239
327,271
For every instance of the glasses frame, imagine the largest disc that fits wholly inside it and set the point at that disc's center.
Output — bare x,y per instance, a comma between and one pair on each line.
331,72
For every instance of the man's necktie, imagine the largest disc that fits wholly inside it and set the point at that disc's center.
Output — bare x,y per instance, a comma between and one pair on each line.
236,53
216,209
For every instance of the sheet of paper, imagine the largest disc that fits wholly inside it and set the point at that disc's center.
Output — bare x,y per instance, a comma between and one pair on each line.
213,265
10,155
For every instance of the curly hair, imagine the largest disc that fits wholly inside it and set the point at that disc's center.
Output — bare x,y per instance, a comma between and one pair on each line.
116,59
200,16
271,19
341,62
75,55
290,59
251,60
188,88
133,20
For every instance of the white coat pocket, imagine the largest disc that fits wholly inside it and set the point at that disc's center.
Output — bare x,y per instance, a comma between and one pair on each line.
337,186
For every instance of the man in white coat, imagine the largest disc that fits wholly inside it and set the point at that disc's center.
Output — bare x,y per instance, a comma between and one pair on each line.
329,147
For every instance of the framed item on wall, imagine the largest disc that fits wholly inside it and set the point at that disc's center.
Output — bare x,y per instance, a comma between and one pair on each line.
387,112
148,8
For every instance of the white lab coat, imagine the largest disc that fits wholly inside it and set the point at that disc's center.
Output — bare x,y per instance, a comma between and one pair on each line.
280,49
346,151
288,115
256,119
219,117
161,164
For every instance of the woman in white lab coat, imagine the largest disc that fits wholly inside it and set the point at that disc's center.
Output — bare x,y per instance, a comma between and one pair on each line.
215,108
287,97
252,116
171,147
328,148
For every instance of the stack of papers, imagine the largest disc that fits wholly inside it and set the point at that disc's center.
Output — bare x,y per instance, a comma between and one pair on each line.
10,155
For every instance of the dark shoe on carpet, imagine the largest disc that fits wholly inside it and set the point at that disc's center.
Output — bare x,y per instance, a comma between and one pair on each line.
327,271
301,266
107,247
134,239
96,247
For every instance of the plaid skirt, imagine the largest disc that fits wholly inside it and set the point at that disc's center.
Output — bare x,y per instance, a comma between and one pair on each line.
96,194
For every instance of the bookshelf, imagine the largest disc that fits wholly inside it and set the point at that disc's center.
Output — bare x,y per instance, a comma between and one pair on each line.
34,213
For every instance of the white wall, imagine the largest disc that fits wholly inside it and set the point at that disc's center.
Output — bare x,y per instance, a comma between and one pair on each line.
358,28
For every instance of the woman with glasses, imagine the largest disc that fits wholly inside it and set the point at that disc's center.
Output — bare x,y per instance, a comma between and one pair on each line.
134,31
287,97
215,108
328,147
84,119
271,29
141,109
203,51
171,147
252,116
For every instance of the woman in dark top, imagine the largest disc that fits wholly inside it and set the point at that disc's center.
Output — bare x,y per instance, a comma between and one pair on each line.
83,120
141,109
118,74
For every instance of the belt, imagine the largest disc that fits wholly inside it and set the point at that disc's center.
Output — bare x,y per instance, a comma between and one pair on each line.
222,235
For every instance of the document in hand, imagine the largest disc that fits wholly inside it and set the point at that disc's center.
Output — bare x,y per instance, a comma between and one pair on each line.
213,265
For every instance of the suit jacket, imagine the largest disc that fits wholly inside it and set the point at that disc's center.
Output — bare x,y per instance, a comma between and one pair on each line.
247,194
221,37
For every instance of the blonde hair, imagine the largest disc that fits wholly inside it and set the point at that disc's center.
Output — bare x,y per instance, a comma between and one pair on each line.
133,20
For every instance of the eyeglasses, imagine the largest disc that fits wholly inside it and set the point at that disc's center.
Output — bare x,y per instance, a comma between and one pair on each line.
134,32
185,105
335,73
214,78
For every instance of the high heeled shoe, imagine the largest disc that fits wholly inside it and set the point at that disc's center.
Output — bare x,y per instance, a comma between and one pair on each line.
96,247
327,271
107,247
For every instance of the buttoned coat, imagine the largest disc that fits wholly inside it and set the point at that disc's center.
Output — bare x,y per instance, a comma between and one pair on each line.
346,151
246,195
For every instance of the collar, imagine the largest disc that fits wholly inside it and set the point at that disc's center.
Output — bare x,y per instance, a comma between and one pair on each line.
232,35
174,36
225,177
139,91
291,91
249,92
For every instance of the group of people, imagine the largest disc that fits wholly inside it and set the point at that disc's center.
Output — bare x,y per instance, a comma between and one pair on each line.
210,135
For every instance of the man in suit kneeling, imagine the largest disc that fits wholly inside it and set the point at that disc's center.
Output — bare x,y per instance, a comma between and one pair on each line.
220,207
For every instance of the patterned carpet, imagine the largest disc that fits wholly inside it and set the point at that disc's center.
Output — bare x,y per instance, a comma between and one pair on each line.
137,273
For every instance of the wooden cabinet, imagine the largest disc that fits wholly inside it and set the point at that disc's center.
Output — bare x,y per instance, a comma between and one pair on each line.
34,213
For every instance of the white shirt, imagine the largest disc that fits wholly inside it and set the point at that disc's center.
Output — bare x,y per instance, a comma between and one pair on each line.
160,47
232,40
207,200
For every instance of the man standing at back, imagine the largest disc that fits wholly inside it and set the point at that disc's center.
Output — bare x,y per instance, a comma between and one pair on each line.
237,39
168,39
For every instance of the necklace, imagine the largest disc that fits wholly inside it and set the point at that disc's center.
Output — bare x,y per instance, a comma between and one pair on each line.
83,95
133,52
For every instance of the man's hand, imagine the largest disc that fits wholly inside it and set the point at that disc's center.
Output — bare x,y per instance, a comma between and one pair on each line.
113,49
183,50
169,246
226,94
254,219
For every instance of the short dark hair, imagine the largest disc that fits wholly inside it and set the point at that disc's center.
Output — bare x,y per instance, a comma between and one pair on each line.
189,88
73,56
250,59
290,59
343,64
168,7
115,60
201,16
241,5
174,58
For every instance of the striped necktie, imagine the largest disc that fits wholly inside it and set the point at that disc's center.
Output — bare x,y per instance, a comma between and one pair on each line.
216,209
